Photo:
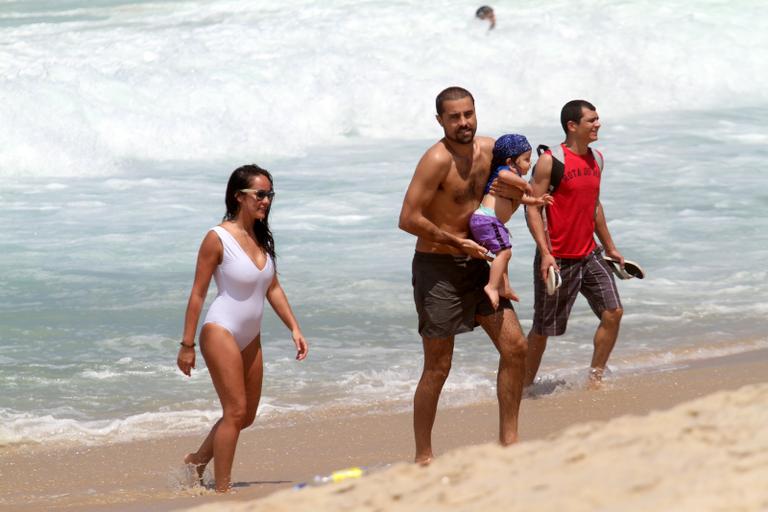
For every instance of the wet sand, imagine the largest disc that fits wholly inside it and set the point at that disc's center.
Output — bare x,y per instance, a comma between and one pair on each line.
147,475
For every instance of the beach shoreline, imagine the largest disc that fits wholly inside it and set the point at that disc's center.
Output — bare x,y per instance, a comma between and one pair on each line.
705,455
148,474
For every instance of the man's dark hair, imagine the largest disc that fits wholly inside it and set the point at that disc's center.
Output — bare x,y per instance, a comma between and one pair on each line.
572,112
451,94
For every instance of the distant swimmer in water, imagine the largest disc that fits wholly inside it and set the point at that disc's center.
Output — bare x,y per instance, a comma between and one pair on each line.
239,254
486,13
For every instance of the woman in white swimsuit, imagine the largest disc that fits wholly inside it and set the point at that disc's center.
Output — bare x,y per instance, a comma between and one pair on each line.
240,255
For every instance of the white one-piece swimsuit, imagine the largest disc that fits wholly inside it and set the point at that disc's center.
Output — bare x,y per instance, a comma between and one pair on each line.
242,286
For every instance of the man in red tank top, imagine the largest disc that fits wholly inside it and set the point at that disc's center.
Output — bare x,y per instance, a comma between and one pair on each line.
566,242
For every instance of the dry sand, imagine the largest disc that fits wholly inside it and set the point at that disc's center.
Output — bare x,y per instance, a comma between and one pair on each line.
710,454
594,460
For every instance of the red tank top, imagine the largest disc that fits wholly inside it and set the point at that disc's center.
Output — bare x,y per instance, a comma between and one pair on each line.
571,219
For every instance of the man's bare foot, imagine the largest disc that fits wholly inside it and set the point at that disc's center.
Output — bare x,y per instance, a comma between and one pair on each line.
595,380
510,294
423,461
192,460
493,295
508,440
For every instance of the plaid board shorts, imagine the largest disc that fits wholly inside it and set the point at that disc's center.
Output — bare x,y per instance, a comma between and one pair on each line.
448,292
591,276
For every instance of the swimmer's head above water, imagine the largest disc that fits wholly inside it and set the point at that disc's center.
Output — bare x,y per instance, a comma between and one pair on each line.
486,13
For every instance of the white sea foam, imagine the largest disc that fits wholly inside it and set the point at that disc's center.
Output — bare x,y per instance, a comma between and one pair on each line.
86,204
654,359
28,428
186,81
100,375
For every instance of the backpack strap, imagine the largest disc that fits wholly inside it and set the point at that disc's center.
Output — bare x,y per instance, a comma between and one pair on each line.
558,165
558,169
598,156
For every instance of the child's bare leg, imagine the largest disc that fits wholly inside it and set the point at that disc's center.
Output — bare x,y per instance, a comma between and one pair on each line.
508,292
496,278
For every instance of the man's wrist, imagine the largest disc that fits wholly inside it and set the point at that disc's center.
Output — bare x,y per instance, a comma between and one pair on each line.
455,241
542,248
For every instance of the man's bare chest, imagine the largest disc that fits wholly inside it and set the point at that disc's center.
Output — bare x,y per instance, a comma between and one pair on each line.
467,186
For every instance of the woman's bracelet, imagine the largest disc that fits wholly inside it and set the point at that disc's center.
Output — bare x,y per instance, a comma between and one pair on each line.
187,346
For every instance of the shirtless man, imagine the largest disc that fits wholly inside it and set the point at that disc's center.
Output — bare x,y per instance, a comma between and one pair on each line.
449,269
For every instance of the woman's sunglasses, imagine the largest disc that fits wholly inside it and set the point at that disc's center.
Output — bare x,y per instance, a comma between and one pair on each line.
260,194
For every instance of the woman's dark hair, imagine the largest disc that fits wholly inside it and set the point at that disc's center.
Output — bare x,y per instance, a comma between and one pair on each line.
240,179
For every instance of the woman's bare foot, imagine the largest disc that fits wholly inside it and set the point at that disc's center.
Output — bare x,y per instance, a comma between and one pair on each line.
493,295
199,466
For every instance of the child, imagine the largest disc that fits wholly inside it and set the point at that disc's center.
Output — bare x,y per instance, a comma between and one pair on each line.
511,160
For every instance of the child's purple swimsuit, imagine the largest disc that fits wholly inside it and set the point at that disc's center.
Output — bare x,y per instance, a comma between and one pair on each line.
485,228
489,231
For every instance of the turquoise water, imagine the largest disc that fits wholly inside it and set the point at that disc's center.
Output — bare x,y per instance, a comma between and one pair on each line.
129,116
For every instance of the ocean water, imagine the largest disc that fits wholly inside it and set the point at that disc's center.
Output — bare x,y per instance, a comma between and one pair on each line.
123,119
